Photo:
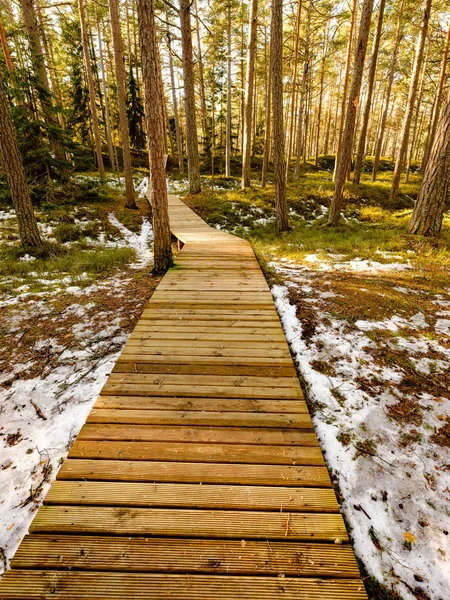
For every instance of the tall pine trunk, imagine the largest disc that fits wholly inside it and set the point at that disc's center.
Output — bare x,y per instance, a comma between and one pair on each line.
6,53
268,123
404,136
294,90
154,114
361,152
276,60
91,89
249,84
346,80
201,81
189,98
303,89
345,154
106,97
174,99
436,105
11,162
228,118
433,195
121,102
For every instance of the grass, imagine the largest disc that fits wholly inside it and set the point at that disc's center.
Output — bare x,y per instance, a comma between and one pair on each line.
370,224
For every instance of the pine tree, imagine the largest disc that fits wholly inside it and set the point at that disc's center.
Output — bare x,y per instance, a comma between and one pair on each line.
135,113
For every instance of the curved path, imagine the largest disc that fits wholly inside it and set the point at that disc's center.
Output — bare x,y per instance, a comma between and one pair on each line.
197,474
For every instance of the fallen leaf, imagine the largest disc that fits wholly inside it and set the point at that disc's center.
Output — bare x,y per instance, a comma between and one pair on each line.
410,537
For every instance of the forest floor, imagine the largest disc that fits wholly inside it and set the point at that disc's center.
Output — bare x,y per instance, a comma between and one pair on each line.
64,319
365,307
366,310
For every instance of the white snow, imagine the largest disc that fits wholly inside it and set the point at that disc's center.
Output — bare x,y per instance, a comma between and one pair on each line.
140,242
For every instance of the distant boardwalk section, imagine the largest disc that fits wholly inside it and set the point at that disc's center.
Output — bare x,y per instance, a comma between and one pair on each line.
197,474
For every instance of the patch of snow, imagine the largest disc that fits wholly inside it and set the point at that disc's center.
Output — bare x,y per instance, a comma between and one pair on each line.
140,242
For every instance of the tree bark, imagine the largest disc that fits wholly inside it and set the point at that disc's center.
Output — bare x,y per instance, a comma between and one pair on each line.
189,98
404,137
346,80
436,105
43,86
174,99
433,195
276,56
294,90
228,118
201,81
11,162
153,102
361,152
8,61
267,131
90,80
249,84
121,102
319,110
106,97
345,154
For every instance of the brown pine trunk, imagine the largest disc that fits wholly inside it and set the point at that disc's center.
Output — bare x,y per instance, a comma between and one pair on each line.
433,195
384,117
37,59
303,91
174,99
436,105
90,80
276,56
189,98
154,102
267,131
361,152
228,118
294,90
404,137
11,162
201,80
121,102
106,97
345,154
346,80
8,61
410,150
319,110
248,111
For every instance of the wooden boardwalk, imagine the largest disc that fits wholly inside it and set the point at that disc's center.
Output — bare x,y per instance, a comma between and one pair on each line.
197,474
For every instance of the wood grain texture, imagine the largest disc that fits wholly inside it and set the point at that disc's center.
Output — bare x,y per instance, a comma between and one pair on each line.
197,473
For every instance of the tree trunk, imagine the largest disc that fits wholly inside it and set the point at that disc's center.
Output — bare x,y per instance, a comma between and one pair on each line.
345,154
154,101
228,131
410,150
319,111
248,111
361,152
90,80
433,195
294,90
174,99
11,163
201,81
384,117
346,80
404,137
303,86
267,108
121,102
9,64
276,60
189,98
106,97
436,105
42,83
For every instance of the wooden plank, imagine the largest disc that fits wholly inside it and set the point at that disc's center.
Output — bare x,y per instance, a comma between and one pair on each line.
201,404
198,418
164,495
189,523
272,371
183,472
143,389
197,435
213,453
237,380
185,556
